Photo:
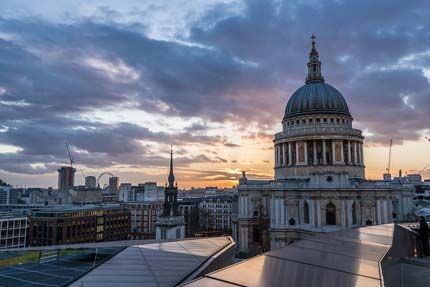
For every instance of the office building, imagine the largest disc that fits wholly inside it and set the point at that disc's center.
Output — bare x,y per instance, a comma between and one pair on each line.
143,218
13,230
69,225
91,181
113,184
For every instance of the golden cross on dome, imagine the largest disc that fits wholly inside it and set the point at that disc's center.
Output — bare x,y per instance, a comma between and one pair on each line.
313,37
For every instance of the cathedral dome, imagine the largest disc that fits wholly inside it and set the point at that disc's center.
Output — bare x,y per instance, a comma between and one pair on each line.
316,98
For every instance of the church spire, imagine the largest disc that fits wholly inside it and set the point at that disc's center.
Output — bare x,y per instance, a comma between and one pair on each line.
314,65
171,176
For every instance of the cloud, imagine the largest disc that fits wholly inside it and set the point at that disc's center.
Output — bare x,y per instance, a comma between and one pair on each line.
216,63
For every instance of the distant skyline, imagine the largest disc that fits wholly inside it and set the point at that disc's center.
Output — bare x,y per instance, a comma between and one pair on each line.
121,81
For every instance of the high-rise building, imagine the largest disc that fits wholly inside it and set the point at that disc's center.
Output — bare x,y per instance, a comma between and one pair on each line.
113,184
91,181
66,177
171,224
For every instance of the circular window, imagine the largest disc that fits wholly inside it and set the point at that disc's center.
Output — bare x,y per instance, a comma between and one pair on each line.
329,179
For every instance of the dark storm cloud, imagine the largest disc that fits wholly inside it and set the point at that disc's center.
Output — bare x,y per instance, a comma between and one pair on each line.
242,68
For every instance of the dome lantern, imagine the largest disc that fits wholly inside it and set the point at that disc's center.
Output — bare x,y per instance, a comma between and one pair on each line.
314,65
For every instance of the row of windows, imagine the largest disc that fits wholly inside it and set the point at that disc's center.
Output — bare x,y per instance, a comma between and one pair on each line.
330,213
318,120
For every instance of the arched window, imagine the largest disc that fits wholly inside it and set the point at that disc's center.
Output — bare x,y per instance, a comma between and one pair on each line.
306,213
330,214
354,213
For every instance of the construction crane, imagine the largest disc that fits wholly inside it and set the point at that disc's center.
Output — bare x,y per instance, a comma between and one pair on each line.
427,166
389,157
82,172
70,155
424,169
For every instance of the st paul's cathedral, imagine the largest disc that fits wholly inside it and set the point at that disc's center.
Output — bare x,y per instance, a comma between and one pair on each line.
319,175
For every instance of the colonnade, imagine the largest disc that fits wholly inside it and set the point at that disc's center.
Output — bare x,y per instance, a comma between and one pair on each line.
311,213
319,152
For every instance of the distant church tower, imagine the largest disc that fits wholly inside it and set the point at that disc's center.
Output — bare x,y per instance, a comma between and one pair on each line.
170,225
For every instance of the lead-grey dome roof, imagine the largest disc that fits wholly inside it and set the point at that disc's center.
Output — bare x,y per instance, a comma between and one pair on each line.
316,98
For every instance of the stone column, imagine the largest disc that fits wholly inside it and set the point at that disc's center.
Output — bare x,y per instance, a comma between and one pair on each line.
343,214
349,213
349,152
342,157
312,213
297,153
355,153
306,152
315,153
359,153
384,211
276,156
378,212
272,211
290,155
279,155
282,203
324,153
318,213
284,159
333,152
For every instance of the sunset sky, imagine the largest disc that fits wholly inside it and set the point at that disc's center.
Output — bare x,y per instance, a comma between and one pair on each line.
122,80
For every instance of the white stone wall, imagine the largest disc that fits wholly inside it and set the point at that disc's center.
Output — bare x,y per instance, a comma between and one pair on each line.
176,232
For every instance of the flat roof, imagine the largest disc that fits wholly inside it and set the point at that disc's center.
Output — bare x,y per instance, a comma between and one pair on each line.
344,258
156,264
77,208
119,263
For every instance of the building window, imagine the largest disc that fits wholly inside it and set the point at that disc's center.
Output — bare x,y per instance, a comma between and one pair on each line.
306,212
325,120
330,214
318,120
301,152
292,221
310,120
354,213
